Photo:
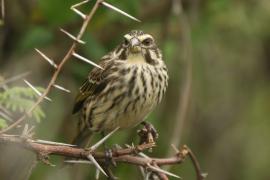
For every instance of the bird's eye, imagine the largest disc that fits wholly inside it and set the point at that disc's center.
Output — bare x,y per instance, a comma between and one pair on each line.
147,42
126,42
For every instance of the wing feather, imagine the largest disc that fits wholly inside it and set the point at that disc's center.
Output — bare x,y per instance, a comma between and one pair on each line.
94,84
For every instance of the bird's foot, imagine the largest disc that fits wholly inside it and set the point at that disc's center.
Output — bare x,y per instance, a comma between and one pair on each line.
108,161
109,157
148,134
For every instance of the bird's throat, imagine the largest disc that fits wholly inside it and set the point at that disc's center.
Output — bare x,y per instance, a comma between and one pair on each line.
135,58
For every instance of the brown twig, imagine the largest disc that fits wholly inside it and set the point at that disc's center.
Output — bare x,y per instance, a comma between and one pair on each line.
127,155
200,175
86,21
14,78
184,99
119,155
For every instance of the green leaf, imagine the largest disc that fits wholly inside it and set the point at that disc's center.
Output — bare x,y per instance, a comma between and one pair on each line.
22,99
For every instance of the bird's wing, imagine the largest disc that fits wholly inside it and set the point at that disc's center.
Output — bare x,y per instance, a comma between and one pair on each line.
94,84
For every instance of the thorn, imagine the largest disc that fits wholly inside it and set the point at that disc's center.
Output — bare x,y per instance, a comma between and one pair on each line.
93,160
27,132
46,58
132,146
61,88
128,146
175,149
142,170
9,135
78,161
140,153
53,143
163,171
71,36
86,60
52,165
14,78
79,13
5,110
204,175
144,155
95,146
31,129
25,129
148,174
97,174
79,4
73,8
118,146
119,11
35,90
5,116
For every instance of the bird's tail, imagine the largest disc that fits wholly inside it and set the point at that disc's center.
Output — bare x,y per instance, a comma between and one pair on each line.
83,138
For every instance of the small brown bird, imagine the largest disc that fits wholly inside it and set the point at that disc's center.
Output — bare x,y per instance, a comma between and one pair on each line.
132,82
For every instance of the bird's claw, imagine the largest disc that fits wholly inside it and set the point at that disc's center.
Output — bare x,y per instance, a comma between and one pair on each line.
109,157
148,134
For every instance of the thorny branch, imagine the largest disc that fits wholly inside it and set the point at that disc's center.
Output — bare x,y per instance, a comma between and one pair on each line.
68,55
129,155
58,69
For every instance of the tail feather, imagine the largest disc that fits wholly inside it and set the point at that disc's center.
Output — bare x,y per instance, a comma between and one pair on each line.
81,140
83,137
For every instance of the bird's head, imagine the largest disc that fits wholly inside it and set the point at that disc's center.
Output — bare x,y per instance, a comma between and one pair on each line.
137,40
138,43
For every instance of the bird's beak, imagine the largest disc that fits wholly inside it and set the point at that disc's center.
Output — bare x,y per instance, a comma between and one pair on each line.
135,45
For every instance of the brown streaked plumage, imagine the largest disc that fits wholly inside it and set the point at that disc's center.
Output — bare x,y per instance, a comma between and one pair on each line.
132,83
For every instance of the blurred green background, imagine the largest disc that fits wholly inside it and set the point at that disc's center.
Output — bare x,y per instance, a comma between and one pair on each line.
218,101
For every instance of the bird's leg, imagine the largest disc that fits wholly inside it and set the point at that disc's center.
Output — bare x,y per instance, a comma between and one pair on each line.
109,173
108,160
148,134
108,170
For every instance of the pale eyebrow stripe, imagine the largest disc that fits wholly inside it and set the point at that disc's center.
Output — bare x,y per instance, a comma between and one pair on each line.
145,36
127,36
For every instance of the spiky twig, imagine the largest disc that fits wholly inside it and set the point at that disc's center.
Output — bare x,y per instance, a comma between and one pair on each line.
126,155
200,174
69,54
47,59
14,78
35,90
58,69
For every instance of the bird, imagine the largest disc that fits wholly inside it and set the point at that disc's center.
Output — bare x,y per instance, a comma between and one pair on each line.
130,83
